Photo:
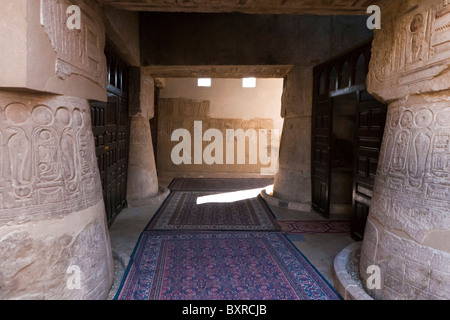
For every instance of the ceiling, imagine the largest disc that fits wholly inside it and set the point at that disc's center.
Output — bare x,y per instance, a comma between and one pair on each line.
218,71
325,7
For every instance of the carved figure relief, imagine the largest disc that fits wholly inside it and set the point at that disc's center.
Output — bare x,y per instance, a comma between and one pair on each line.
412,43
78,51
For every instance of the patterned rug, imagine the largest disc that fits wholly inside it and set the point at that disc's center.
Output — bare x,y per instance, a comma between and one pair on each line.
218,184
314,226
221,266
195,210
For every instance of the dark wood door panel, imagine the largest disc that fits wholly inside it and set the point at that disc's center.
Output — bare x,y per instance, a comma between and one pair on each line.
370,122
111,125
321,143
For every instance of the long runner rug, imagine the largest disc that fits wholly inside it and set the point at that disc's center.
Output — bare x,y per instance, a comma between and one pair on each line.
197,210
221,266
218,184
314,226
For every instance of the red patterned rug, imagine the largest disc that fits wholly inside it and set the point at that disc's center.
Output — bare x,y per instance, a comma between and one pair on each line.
314,226
185,210
221,266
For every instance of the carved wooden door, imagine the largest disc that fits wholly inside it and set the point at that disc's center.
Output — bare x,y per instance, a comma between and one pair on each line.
322,128
111,125
370,122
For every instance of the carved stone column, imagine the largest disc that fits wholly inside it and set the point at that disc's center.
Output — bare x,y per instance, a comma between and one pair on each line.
54,241
142,184
408,229
52,215
293,180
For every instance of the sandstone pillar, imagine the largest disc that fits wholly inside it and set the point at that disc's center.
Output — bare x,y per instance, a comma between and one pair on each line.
293,180
52,216
142,184
408,229
54,240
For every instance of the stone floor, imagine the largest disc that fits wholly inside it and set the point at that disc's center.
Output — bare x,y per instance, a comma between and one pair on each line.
319,249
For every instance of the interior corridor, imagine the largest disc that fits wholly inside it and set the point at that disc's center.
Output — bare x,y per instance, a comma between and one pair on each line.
320,248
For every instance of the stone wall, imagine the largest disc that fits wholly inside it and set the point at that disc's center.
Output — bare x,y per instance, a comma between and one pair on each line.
179,113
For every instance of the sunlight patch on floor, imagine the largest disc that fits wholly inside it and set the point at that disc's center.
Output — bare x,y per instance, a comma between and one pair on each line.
229,197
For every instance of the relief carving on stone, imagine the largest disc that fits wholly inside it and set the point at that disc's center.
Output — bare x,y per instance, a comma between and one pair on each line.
48,158
413,44
413,178
78,51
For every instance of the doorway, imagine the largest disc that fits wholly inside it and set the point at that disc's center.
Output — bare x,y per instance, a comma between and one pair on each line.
342,153
347,131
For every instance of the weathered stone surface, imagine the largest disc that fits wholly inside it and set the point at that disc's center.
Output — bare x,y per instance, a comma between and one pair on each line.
179,113
47,157
409,221
40,53
292,185
13,46
411,197
141,93
293,180
297,93
52,213
36,257
410,53
413,180
147,95
142,179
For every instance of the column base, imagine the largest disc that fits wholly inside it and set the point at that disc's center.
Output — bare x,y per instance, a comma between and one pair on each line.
163,192
274,201
346,274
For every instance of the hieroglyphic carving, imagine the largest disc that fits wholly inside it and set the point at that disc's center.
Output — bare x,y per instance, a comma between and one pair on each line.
48,157
78,51
414,171
414,45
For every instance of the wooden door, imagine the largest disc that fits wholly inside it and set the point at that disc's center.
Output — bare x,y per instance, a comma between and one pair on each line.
370,122
322,128
111,125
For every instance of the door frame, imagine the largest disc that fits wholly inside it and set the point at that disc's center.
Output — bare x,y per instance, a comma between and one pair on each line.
327,85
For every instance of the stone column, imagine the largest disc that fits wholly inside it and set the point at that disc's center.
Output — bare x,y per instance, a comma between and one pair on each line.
142,185
54,240
293,180
408,229
53,230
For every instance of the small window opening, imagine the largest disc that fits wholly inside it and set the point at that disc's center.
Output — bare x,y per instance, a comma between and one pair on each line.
249,83
204,82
